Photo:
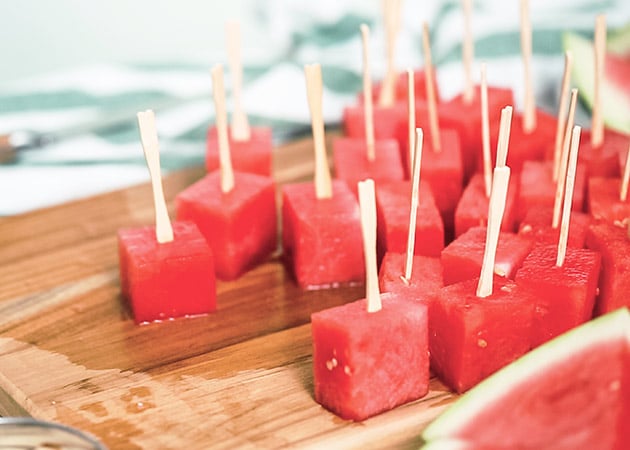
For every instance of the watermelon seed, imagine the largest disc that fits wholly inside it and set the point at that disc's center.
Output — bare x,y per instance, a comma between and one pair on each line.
482,343
346,370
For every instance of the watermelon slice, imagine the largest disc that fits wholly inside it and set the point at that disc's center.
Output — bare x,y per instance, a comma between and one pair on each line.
573,392
615,90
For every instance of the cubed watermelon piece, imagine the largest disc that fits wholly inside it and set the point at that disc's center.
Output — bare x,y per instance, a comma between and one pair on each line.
472,208
426,276
387,121
240,226
537,227
321,238
462,258
603,161
367,363
251,156
401,91
393,203
169,280
472,337
604,202
613,243
565,296
352,165
538,189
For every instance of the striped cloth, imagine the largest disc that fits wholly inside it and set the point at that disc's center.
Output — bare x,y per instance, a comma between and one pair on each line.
101,159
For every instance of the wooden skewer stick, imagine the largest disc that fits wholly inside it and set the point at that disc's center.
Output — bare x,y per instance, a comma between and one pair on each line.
323,183
597,125
367,205
529,114
240,125
562,113
415,187
411,118
431,98
564,161
391,18
368,110
468,52
485,132
225,161
568,196
150,146
496,207
623,192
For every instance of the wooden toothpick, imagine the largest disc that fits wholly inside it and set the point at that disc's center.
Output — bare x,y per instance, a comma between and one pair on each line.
597,124
411,118
413,211
367,205
240,125
485,132
564,161
368,110
323,183
391,19
468,52
431,98
225,160
623,192
568,196
496,207
562,113
529,115
150,146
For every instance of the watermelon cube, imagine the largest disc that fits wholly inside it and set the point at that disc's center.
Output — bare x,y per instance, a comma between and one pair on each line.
537,227
462,258
472,208
352,165
603,161
169,280
240,226
426,276
401,91
387,120
565,296
367,363
393,202
321,238
472,337
613,244
604,202
251,156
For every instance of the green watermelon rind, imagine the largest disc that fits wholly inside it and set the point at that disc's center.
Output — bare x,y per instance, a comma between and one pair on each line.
608,328
616,104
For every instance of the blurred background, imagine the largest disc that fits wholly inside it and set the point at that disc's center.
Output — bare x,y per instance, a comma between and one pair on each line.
76,72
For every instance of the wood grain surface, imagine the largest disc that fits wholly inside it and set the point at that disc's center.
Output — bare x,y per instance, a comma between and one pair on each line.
238,378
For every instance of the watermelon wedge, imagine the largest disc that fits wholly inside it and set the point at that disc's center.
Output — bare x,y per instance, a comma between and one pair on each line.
615,90
570,393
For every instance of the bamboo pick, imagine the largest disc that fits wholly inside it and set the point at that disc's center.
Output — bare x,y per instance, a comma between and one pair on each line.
367,204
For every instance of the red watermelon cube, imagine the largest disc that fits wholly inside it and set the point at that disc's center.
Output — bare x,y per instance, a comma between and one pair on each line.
169,280
240,226
251,156
393,203
426,276
387,120
471,337
462,258
367,363
401,91
537,227
321,238
604,202
603,161
565,296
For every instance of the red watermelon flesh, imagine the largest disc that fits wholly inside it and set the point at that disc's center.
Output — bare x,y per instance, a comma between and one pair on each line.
164,281
401,91
604,202
571,393
393,202
537,227
462,258
472,208
603,161
471,337
367,363
251,156
613,244
352,164
426,276
240,226
321,238
565,296
387,121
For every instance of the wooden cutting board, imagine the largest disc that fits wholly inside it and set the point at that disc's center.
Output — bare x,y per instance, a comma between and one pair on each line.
239,378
